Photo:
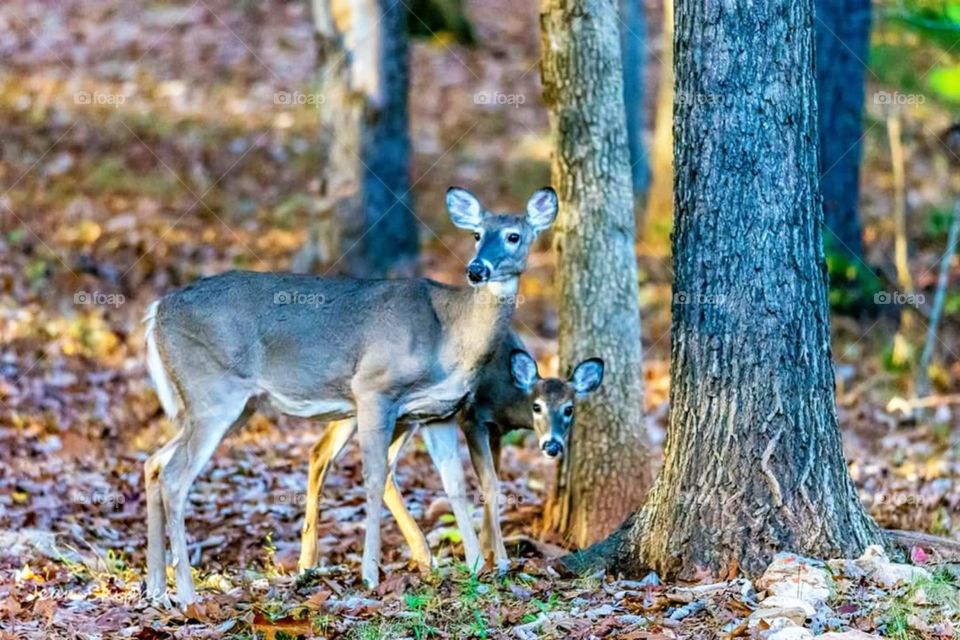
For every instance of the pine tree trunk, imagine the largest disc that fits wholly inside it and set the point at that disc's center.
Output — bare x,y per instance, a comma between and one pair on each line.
364,225
843,38
753,460
633,33
603,476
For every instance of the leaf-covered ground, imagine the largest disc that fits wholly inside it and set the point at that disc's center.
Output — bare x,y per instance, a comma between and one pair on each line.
142,146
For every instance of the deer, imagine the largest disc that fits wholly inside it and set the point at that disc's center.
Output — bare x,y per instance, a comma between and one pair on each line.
371,351
510,395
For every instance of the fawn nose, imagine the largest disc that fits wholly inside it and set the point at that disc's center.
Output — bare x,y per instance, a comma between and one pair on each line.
478,272
552,448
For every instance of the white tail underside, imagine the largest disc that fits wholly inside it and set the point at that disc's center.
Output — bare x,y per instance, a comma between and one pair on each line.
158,373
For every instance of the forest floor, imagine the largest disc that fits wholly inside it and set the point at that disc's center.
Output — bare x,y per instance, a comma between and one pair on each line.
142,147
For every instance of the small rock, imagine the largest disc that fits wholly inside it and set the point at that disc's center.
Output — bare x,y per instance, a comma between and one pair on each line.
631,619
793,609
598,612
791,633
650,580
853,634
796,576
877,565
688,610
789,602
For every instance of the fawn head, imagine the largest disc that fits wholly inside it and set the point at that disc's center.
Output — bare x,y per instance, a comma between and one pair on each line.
553,400
503,240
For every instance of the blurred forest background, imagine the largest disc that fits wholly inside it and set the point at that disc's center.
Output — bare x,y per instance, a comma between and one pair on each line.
145,145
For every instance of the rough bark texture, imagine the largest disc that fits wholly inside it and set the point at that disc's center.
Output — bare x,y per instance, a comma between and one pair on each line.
843,38
604,475
753,460
364,225
633,28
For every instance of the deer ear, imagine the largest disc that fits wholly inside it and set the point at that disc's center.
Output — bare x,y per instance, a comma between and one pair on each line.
523,370
542,208
465,210
588,376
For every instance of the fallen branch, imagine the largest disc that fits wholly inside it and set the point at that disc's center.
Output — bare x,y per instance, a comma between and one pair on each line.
903,405
947,549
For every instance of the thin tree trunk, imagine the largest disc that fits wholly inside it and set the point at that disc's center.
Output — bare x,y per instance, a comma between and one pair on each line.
364,225
603,476
843,38
659,212
633,32
753,459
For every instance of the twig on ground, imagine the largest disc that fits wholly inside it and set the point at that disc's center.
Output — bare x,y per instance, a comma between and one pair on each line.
922,387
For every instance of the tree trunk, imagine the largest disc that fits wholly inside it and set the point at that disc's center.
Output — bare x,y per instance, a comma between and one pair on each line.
659,211
633,28
603,476
753,460
843,38
364,225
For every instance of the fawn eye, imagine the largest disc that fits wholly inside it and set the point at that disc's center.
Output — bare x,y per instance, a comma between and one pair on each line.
568,411
476,236
513,238
537,408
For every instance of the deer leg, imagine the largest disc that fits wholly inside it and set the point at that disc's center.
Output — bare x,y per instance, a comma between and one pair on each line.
322,455
441,441
375,421
156,523
481,453
202,431
419,549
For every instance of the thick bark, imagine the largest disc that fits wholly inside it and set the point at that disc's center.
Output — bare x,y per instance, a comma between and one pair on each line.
843,38
753,460
603,476
365,224
633,28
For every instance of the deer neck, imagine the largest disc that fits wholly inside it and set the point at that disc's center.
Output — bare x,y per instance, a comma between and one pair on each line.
482,320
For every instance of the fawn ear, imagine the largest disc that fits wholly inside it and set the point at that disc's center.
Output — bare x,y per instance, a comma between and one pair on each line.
588,376
542,208
465,210
523,370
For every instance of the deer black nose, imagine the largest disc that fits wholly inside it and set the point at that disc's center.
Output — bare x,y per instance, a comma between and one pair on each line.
478,272
552,448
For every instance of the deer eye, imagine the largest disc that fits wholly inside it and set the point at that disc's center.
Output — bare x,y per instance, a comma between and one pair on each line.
568,411
513,238
476,236
537,408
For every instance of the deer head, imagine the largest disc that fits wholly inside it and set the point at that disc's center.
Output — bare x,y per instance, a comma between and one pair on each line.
553,400
503,240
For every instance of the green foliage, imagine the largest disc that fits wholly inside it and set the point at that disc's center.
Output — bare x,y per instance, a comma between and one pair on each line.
852,284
